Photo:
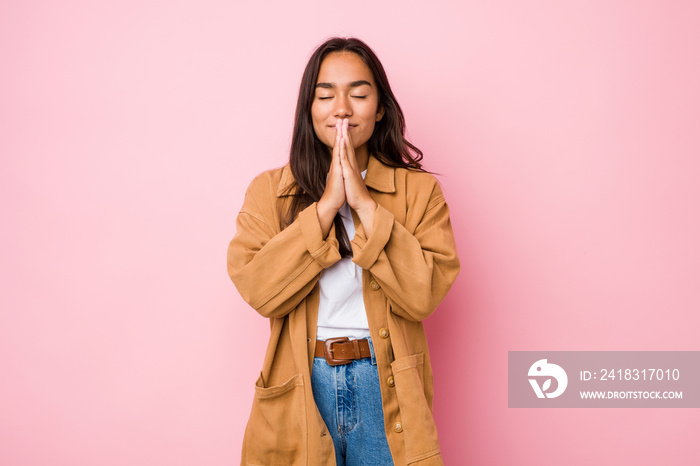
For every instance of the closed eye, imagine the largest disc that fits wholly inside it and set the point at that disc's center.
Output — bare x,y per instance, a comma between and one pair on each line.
355,96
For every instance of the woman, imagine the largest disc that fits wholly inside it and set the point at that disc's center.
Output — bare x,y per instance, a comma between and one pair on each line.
346,249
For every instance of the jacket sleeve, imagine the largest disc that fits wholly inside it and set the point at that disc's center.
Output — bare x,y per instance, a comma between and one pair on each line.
415,269
275,270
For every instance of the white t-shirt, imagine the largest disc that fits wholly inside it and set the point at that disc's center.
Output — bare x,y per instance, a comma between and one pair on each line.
341,309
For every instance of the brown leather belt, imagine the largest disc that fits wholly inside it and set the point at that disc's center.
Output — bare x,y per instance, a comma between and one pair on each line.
342,350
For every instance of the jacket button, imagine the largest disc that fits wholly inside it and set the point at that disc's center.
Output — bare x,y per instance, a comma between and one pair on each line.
390,381
398,428
384,332
374,285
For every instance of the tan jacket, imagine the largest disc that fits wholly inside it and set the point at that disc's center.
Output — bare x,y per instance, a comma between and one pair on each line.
409,263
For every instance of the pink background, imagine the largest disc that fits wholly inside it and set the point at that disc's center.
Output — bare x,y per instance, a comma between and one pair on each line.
567,133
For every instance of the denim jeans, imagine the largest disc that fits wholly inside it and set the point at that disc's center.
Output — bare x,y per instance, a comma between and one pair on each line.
350,403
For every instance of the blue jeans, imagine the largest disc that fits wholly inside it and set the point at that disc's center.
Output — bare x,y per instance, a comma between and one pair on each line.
350,403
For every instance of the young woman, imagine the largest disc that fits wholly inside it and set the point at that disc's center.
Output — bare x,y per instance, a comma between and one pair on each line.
346,249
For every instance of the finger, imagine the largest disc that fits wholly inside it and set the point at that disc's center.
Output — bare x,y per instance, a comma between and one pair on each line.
342,151
338,133
337,144
350,174
349,149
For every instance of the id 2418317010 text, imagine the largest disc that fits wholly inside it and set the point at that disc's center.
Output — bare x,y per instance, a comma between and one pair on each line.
632,374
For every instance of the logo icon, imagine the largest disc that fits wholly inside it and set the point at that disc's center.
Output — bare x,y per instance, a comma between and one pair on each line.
544,369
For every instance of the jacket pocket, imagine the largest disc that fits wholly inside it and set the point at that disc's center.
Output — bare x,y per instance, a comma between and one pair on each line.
276,428
419,430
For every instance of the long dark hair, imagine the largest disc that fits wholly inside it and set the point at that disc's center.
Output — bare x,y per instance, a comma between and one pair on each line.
309,157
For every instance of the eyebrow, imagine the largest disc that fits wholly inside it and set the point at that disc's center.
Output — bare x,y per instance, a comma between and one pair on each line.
352,84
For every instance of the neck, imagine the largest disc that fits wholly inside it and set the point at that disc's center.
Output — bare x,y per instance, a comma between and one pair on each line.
362,157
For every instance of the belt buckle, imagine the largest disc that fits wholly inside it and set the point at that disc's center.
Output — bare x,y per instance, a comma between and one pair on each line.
328,352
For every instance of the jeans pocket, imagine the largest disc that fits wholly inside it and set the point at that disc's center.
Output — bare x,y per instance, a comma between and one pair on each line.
419,430
276,428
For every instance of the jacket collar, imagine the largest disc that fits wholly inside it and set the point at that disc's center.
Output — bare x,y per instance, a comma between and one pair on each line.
379,177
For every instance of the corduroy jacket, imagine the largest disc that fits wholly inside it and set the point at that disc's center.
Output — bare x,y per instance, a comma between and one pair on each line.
408,263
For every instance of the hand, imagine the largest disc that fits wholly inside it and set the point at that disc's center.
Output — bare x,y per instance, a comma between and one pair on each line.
356,192
334,193
333,196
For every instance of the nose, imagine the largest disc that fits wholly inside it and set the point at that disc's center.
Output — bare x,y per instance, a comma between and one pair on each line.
343,107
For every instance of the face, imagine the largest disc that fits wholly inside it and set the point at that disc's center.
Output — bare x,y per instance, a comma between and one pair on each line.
345,89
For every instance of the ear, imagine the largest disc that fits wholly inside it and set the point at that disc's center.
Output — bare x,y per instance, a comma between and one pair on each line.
380,113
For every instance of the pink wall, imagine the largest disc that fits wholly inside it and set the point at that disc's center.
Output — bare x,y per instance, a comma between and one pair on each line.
568,136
